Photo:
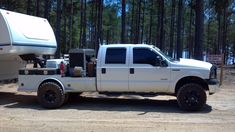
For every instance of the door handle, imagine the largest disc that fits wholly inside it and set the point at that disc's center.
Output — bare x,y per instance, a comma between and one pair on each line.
132,70
103,70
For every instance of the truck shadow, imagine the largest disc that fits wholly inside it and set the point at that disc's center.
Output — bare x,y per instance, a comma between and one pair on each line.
12,100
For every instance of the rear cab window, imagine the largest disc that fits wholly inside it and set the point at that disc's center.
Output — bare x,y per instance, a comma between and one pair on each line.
115,56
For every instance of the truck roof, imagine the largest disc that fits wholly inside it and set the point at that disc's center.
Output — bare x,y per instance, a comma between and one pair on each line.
24,34
127,45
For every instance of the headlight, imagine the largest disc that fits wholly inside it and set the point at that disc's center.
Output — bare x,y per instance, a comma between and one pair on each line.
213,72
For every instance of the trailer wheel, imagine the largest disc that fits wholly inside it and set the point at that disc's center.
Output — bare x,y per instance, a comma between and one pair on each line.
191,97
50,95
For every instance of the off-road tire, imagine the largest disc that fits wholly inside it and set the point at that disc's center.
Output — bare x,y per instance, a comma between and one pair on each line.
50,95
191,97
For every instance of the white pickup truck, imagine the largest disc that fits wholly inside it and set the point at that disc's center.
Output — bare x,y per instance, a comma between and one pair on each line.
123,68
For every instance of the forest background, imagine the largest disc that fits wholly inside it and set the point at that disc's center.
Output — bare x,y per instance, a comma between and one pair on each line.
188,28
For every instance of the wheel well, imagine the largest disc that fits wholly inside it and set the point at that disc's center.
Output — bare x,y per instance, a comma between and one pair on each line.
191,79
51,80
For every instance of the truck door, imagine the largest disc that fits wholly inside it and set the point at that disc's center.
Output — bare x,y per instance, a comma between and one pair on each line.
114,70
147,74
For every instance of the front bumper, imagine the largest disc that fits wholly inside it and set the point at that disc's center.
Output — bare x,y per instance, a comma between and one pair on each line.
213,85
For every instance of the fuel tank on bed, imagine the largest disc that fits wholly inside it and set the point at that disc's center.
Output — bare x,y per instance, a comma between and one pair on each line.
23,34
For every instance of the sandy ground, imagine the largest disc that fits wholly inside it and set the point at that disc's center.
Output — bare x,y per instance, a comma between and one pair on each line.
91,113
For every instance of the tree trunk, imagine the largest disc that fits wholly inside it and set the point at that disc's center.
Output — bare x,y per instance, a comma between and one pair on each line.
99,39
67,47
100,22
158,23
92,30
199,30
137,32
132,21
81,23
96,27
123,22
142,25
84,25
46,8
224,39
150,23
179,32
233,52
37,7
29,7
219,33
190,42
58,25
108,36
182,31
128,24
208,36
172,27
71,25
162,33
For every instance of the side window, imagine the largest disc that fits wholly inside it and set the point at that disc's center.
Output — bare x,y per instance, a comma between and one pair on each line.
145,56
115,56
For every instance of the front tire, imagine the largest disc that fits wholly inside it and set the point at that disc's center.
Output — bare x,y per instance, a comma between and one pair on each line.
50,95
191,97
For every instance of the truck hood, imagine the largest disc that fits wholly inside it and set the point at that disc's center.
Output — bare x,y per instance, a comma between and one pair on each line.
194,63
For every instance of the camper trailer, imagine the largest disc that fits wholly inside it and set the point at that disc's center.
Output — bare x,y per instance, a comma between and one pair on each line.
22,37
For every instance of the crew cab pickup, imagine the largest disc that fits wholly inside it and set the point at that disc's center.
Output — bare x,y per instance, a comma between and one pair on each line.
124,69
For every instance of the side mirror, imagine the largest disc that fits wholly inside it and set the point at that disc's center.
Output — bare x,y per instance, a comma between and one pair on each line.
164,63
159,61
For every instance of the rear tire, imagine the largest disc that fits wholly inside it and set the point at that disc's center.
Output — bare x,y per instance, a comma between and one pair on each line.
50,95
191,97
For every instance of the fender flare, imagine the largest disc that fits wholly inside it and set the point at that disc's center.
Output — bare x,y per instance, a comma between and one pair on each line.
181,76
53,80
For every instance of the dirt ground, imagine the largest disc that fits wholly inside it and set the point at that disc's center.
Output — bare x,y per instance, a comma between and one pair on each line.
97,113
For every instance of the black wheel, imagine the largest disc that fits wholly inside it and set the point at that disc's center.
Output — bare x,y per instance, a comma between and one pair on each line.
191,97
51,95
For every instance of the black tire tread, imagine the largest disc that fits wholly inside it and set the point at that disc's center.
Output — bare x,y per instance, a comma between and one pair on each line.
196,87
59,90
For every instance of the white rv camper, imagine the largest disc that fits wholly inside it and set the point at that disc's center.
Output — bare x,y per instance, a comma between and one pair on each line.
22,37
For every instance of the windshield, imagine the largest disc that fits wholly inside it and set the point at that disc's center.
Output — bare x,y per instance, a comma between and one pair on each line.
162,53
